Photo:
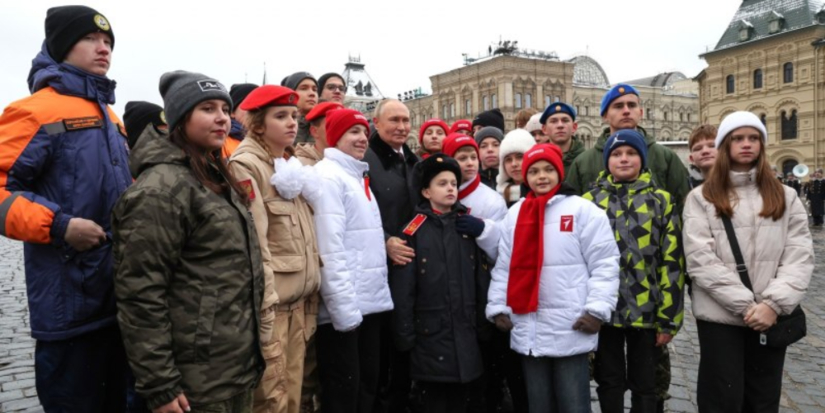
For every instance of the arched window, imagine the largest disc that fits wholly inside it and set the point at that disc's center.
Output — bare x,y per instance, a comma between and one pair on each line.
547,101
764,119
486,105
446,112
528,100
666,117
787,72
789,123
757,79
468,107
452,110
495,101
729,84
518,101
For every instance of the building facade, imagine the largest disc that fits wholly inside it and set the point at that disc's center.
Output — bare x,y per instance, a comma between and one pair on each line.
769,61
521,80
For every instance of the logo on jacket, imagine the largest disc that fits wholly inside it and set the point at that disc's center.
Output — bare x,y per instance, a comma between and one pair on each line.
207,85
101,22
246,185
566,223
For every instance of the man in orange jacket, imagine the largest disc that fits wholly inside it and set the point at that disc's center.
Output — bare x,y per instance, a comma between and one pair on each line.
63,164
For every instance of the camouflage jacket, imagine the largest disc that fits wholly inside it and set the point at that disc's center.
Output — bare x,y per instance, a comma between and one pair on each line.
188,282
651,264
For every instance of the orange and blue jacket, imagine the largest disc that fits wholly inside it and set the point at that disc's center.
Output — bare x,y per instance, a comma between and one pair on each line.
63,155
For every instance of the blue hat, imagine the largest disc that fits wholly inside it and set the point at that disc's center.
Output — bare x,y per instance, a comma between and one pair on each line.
618,91
558,107
624,137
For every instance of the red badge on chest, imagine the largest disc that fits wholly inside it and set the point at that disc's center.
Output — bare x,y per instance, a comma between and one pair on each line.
246,185
566,223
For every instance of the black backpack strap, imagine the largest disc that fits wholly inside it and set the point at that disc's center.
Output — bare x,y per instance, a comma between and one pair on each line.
741,268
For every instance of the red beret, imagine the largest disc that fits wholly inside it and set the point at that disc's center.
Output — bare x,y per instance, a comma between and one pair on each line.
340,121
543,152
462,124
320,110
455,141
270,95
432,122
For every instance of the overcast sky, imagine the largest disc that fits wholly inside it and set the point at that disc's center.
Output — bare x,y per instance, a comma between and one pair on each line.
401,43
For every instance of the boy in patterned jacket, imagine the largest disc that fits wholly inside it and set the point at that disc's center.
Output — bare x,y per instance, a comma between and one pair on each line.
651,280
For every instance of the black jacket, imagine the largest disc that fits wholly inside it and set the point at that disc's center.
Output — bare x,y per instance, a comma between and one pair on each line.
390,178
488,177
439,301
816,195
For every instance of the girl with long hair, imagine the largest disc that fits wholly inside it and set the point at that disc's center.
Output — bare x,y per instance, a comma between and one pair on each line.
738,370
188,272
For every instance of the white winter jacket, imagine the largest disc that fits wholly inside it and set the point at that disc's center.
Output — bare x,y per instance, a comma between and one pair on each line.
778,254
351,243
487,204
580,273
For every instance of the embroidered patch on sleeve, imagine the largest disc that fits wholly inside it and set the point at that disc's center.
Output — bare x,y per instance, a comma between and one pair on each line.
246,185
566,223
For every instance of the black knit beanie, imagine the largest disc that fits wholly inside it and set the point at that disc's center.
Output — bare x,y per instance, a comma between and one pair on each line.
138,115
66,25
239,91
292,81
490,118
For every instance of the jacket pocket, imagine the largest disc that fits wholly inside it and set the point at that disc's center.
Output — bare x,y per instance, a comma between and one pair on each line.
288,263
206,324
91,277
283,233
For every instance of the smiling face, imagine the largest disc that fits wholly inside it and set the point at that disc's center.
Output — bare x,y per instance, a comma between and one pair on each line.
745,145
280,127
354,142
542,177
442,191
393,124
209,124
624,163
92,54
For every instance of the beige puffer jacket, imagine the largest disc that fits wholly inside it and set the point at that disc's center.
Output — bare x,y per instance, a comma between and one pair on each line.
307,154
778,254
286,229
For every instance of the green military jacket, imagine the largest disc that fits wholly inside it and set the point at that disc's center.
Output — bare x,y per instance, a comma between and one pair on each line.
668,171
576,149
651,265
188,282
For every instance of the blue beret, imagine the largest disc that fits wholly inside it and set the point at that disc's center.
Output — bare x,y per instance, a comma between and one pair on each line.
630,137
558,107
616,92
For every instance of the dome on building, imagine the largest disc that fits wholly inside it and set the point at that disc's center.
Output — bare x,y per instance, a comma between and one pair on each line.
588,72
662,80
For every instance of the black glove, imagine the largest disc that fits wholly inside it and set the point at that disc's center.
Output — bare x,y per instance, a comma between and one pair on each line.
469,225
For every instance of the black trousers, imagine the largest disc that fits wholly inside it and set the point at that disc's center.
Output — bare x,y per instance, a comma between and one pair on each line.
348,365
86,373
443,397
736,373
615,373
502,368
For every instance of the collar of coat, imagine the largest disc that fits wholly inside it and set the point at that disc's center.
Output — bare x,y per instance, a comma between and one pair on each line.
253,147
743,178
387,155
605,182
69,80
350,165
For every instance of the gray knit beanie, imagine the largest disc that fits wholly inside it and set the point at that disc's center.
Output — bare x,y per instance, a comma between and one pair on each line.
489,132
182,91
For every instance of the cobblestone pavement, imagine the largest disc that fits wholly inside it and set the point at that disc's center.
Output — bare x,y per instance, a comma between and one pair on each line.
803,385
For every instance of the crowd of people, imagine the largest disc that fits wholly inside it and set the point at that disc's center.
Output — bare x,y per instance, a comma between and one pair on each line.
265,248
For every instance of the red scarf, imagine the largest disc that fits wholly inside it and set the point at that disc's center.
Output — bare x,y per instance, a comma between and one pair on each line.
470,188
528,254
